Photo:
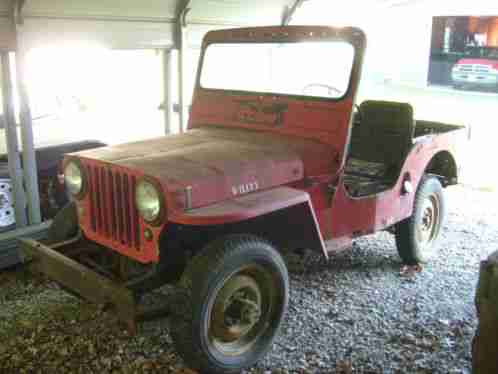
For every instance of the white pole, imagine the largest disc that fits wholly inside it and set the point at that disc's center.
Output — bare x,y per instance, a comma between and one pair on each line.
167,106
182,61
14,159
182,44
28,147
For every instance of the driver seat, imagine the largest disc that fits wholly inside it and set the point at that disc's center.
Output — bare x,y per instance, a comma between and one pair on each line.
379,144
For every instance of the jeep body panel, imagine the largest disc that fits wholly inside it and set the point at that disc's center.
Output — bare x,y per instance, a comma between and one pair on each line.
242,208
216,164
293,205
352,217
201,168
326,121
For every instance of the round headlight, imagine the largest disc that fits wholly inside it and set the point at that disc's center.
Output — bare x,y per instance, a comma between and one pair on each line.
148,200
73,176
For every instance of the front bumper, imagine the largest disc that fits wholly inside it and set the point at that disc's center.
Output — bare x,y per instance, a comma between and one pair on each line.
56,263
477,80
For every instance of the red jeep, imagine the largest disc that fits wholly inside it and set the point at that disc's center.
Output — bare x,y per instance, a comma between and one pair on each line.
275,157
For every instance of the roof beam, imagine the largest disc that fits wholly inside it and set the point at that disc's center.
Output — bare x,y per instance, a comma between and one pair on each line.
290,11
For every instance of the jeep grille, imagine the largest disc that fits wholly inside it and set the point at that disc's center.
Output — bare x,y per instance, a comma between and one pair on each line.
474,68
112,208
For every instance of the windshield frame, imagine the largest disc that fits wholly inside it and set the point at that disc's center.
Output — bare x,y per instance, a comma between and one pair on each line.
287,34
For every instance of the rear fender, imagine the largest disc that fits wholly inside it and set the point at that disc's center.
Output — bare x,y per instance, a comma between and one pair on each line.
282,215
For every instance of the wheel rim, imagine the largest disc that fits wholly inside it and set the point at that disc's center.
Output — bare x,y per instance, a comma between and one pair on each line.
241,311
428,225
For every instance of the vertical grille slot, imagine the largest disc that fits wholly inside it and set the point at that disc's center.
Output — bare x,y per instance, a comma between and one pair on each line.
103,202
134,212
112,208
119,207
126,211
93,209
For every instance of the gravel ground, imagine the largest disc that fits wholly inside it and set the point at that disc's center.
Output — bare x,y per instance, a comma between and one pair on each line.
354,314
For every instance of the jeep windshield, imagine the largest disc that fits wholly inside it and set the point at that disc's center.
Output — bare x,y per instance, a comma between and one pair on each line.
311,69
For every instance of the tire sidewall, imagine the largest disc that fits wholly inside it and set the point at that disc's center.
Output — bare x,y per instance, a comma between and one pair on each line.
429,185
206,295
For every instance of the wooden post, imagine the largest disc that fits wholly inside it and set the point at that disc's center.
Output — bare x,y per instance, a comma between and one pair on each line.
485,344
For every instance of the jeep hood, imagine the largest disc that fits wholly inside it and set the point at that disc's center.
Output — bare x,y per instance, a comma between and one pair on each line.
215,164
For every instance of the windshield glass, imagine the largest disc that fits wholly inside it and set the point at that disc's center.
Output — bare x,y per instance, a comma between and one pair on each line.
317,69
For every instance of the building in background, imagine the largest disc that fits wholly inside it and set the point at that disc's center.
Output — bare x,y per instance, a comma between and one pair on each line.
464,52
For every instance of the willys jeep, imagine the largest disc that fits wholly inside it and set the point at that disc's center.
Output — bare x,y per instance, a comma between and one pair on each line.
277,155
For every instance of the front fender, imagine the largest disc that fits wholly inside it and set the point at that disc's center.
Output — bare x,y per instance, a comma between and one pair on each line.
281,214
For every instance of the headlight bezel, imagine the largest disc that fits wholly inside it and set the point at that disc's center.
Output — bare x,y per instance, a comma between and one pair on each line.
84,184
159,219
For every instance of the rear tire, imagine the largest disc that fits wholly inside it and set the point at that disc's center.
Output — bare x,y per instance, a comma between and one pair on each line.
417,236
230,304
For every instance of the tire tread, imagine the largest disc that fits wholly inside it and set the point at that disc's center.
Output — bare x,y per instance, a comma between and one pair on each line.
191,286
406,242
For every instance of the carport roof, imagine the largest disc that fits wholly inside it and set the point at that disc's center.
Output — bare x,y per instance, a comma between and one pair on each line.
149,23
131,23
203,11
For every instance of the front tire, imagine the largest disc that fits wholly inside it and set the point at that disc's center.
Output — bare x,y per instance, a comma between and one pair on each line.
231,302
417,236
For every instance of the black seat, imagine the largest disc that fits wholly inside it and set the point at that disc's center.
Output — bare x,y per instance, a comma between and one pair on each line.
379,144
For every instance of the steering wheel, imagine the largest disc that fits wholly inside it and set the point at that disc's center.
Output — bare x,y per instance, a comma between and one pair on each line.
331,90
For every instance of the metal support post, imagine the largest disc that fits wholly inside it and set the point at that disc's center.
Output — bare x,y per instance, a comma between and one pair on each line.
182,43
14,160
28,147
167,105
290,11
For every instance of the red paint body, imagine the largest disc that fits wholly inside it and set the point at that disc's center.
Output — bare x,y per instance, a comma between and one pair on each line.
239,165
